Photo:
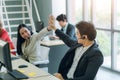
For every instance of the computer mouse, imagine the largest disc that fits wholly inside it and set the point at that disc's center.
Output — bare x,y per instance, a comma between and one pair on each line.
22,66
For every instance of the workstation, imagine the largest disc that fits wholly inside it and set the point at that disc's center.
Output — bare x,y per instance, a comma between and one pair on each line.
31,71
17,68
56,53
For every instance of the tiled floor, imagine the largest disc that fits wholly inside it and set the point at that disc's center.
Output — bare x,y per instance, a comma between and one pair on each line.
104,74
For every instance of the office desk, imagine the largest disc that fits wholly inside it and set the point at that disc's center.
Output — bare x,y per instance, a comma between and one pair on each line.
33,72
8,77
57,51
52,43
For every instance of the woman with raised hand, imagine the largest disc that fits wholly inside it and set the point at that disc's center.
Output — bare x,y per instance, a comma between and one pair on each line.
28,43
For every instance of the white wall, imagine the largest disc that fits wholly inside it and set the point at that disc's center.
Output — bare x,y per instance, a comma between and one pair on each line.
58,7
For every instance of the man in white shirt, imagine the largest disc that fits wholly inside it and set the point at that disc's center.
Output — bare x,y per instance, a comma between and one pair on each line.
83,59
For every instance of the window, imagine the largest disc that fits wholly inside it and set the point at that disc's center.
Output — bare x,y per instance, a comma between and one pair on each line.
102,13
104,41
117,37
74,10
105,14
117,50
102,21
118,15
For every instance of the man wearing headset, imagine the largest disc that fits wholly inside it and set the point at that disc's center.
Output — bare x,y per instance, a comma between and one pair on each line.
83,59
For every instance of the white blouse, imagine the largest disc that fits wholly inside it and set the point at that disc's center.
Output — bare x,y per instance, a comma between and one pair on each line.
32,51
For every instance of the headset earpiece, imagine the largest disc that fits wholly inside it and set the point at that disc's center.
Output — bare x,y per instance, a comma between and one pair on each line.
83,37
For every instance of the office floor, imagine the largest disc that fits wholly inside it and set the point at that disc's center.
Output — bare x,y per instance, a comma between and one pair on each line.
104,74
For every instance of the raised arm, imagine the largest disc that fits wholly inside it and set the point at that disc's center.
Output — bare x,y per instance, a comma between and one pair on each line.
42,33
66,39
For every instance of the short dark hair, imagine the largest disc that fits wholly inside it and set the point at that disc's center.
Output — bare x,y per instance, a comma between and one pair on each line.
20,40
61,17
87,28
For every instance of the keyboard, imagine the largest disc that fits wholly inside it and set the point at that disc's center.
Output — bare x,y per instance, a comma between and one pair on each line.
18,75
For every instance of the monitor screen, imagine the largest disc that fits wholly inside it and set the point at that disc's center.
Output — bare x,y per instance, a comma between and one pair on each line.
5,57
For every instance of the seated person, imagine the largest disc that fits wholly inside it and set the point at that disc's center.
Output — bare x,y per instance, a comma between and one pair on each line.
28,44
66,27
4,36
83,59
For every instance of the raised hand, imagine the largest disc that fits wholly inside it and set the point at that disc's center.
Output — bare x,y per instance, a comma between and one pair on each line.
52,22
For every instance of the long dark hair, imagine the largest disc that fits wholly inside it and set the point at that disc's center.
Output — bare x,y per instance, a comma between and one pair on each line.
20,40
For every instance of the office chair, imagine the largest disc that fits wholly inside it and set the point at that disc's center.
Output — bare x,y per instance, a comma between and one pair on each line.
45,58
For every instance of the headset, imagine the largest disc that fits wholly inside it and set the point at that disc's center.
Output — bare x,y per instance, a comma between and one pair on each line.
83,37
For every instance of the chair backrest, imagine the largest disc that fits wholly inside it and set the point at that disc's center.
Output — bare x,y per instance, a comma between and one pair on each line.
14,40
45,52
45,55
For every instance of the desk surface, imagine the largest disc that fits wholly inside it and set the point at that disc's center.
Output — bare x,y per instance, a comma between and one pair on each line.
33,72
52,43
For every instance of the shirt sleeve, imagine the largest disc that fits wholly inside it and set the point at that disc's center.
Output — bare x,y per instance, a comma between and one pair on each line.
42,33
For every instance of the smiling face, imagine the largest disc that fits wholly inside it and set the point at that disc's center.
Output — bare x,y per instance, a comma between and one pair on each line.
25,33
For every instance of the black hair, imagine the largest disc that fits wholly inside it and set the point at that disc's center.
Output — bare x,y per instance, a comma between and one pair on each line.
61,17
20,40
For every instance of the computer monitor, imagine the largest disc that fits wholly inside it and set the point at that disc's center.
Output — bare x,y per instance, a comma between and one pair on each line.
5,60
5,57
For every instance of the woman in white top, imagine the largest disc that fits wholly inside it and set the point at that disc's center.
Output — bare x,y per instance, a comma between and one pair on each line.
28,44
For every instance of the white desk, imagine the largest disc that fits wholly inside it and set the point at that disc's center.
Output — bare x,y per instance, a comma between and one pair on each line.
56,53
52,42
33,72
